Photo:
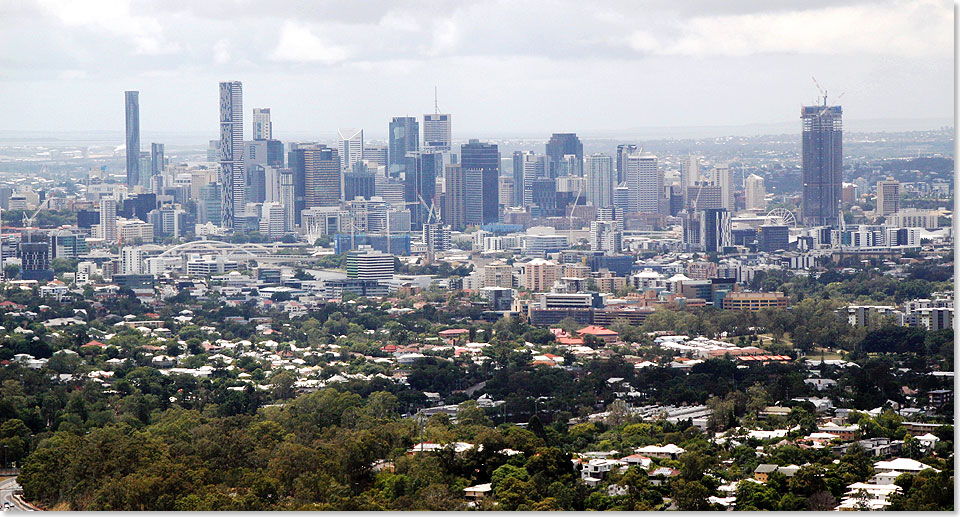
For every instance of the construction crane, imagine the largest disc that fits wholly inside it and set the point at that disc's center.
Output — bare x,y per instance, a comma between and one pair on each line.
429,239
28,221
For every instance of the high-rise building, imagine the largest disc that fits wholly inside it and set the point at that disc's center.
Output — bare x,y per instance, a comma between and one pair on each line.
888,197
209,209
262,126
436,133
157,161
716,230
774,238
370,265
822,167
689,174
232,171
404,134
600,180
420,185
755,193
108,218
273,220
480,162
377,154
131,260
454,213
623,150
532,167
132,108
518,160
559,145
350,147
722,177
605,236
321,177
287,196
645,181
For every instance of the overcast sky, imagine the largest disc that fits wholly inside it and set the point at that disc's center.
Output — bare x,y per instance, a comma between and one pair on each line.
502,67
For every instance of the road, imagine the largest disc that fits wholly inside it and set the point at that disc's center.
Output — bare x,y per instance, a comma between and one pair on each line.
6,495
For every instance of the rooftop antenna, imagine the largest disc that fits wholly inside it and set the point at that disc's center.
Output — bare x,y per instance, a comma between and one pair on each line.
436,106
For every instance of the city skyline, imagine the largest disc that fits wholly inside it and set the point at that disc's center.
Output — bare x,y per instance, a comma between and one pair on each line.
681,54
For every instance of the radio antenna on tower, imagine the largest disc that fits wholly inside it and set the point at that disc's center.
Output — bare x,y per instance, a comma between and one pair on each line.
436,106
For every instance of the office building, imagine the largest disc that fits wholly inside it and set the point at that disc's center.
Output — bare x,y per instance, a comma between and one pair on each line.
622,151
560,145
600,180
66,244
716,230
722,176
232,171
262,126
533,167
358,182
208,210
774,238
404,134
370,265
480,162
420,185
316,177
689,174
436,133
377,154
132,109
108,218
822,164
350,147
755,193
645,182
704,196
888,197
35,259
273,220
454,199
157,160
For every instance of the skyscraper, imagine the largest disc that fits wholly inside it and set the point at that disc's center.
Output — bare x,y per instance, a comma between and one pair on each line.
317,169
723,178
559,145
453,199
755,193
518,159
350,147
156,159
420,185
262,127
716,230
600,180
132,108
689,174
481,168
623,150
404,135
822,171
436,133
533,167
231,151
645,182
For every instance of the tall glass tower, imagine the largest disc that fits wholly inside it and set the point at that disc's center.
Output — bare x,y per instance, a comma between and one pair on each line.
822,173
132,108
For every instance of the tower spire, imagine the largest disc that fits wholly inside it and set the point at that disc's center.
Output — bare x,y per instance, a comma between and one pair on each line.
436,106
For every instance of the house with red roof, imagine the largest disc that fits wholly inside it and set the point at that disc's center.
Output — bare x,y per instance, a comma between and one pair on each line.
603,334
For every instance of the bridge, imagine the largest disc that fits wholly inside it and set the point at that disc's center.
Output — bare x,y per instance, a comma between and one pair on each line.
229,250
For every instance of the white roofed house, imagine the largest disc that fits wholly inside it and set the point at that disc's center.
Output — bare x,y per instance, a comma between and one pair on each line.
669,451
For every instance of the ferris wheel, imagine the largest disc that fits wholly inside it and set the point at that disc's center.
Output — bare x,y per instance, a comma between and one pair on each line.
782,217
